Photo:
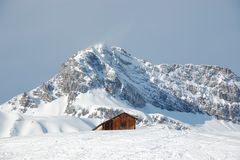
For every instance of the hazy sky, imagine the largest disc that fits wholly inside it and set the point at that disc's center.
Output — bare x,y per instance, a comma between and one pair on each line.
37,36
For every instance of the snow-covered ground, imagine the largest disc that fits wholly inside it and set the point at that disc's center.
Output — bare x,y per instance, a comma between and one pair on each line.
13,124
143,143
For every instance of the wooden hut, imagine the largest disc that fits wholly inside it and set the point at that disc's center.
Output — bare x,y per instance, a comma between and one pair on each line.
119,122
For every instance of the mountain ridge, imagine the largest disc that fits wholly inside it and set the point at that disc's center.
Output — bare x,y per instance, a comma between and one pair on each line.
184,88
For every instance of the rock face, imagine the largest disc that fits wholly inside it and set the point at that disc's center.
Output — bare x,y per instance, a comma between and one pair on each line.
185,88
214,89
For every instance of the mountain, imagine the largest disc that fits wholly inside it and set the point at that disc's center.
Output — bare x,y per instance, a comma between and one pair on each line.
101,81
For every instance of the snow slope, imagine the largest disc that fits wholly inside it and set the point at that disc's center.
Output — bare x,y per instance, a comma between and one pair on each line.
94,107
153,143
13,124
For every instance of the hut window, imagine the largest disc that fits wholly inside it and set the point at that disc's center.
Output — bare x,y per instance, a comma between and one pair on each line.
123,125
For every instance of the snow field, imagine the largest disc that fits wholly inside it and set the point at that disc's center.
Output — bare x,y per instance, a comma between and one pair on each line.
144,143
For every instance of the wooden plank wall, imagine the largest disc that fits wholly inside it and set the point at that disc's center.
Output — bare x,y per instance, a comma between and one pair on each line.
124,118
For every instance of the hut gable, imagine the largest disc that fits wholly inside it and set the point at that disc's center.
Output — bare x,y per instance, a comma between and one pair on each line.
120,122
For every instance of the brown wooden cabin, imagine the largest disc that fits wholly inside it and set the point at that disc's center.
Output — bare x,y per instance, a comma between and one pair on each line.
120,122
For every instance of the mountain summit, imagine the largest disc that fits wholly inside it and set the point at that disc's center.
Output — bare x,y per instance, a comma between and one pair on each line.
102,81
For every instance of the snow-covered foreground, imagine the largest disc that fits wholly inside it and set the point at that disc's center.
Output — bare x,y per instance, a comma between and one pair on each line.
144,143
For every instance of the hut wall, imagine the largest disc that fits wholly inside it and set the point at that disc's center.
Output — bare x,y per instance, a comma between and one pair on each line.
123,122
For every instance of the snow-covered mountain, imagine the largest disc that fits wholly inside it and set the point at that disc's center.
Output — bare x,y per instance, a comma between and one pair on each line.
101,81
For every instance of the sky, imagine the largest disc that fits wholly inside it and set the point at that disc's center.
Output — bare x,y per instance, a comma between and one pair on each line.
36,37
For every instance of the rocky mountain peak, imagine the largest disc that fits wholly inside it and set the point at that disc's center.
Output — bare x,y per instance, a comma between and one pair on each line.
185,88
